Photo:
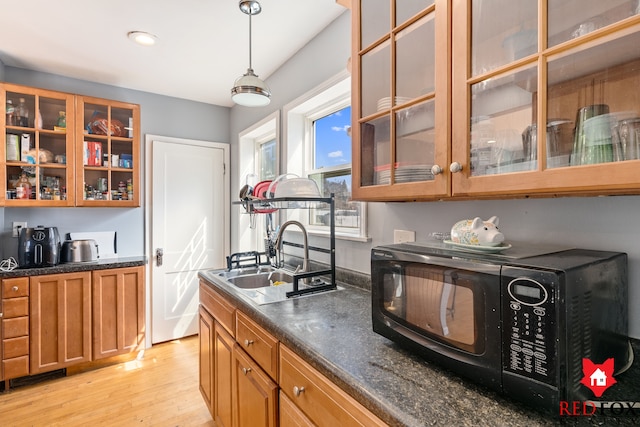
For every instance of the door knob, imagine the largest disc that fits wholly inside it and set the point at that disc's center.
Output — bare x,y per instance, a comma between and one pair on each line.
159,255
436,170
455,167
297,391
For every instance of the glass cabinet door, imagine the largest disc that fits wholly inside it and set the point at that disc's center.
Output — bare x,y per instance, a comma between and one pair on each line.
402,77
545,96
107,153
37,147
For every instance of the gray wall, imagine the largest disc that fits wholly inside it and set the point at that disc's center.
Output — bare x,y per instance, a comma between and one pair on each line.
160,115
607,223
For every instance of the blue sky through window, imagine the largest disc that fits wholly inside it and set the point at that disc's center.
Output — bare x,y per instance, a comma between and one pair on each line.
332,144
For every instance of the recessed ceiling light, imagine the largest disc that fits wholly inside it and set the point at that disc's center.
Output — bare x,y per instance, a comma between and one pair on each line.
142,38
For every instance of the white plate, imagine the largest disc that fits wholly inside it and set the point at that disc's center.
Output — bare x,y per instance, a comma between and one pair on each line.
479,248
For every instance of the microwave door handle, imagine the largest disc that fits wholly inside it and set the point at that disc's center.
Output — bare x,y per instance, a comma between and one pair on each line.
398,278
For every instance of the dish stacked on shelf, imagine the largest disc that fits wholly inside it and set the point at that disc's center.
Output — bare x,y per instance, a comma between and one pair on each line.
385,103
403,172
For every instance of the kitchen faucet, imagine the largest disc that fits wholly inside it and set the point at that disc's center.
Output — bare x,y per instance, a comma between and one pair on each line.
278,242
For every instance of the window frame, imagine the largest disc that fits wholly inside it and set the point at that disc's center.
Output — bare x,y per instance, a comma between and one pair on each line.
298,117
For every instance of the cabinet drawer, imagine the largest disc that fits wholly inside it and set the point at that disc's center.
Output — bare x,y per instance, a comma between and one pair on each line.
15,307
258,344
15,347
15,287
221,310
322,401
16,367
16,327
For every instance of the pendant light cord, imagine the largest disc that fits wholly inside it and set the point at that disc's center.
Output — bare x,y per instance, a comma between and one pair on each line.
250,65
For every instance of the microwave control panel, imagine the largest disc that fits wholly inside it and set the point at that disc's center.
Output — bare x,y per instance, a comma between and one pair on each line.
528,321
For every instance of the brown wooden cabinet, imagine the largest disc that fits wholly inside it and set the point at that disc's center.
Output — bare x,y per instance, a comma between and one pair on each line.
38,147
223,385
118,311
255,394
60,315
73,150
478,100
205,371
107,153
248,378
15,328
319,399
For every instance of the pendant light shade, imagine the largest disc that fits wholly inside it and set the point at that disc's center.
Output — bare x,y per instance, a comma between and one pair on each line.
248,89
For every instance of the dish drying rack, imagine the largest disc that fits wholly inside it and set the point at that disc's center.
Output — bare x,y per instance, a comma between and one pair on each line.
256,259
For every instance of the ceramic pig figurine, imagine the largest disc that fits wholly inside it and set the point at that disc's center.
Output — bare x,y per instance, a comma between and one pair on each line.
477,232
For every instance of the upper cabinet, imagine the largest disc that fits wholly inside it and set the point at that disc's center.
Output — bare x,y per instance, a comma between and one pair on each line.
541,100
37,150
107,153
400,98
60,149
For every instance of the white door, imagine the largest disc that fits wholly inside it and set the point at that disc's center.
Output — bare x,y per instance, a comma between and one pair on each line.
189,228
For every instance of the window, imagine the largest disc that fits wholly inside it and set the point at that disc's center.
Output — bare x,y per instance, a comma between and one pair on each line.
266,152
319,147
258,161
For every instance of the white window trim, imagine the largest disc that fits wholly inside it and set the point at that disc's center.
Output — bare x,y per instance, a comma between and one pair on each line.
332,95
250,239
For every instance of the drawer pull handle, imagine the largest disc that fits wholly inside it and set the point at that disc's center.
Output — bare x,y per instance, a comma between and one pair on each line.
297,391
14,289
246,370
248,342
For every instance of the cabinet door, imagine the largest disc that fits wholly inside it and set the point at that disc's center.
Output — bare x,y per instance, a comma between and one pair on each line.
118,311
206,366
255,396
318,398
223,343
36,144
60,314
291,415
107,153
401,87
545,98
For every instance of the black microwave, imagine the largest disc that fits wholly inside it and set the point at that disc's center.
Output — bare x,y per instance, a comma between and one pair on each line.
519,322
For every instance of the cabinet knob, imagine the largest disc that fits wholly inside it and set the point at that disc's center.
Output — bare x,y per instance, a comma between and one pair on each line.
297,391
14,289
246,370
248,342
455,167
436,170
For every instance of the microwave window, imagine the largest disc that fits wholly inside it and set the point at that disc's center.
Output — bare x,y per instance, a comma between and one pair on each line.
433,301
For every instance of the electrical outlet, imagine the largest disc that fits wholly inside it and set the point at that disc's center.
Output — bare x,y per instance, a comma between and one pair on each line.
402,236
17,226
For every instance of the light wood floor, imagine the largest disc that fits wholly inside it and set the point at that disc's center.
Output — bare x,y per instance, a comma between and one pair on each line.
158,389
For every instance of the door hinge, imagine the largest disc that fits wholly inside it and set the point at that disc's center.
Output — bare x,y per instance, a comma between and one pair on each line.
224,169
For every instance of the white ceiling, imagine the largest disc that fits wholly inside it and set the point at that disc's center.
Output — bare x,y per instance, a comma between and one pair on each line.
202,47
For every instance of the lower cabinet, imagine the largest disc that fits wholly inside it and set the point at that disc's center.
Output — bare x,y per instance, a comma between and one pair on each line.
60,308
255,398
117,311
323,403
56,321
15,328
249,379
223,385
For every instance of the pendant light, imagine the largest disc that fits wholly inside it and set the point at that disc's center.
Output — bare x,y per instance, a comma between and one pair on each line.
248,89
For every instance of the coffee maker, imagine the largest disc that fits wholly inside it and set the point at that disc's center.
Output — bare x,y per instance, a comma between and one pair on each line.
38,247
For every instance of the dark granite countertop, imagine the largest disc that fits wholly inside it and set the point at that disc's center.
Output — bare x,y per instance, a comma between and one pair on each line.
73,267
332,331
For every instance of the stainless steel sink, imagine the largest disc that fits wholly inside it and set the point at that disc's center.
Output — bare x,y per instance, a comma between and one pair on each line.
263,284
260,280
